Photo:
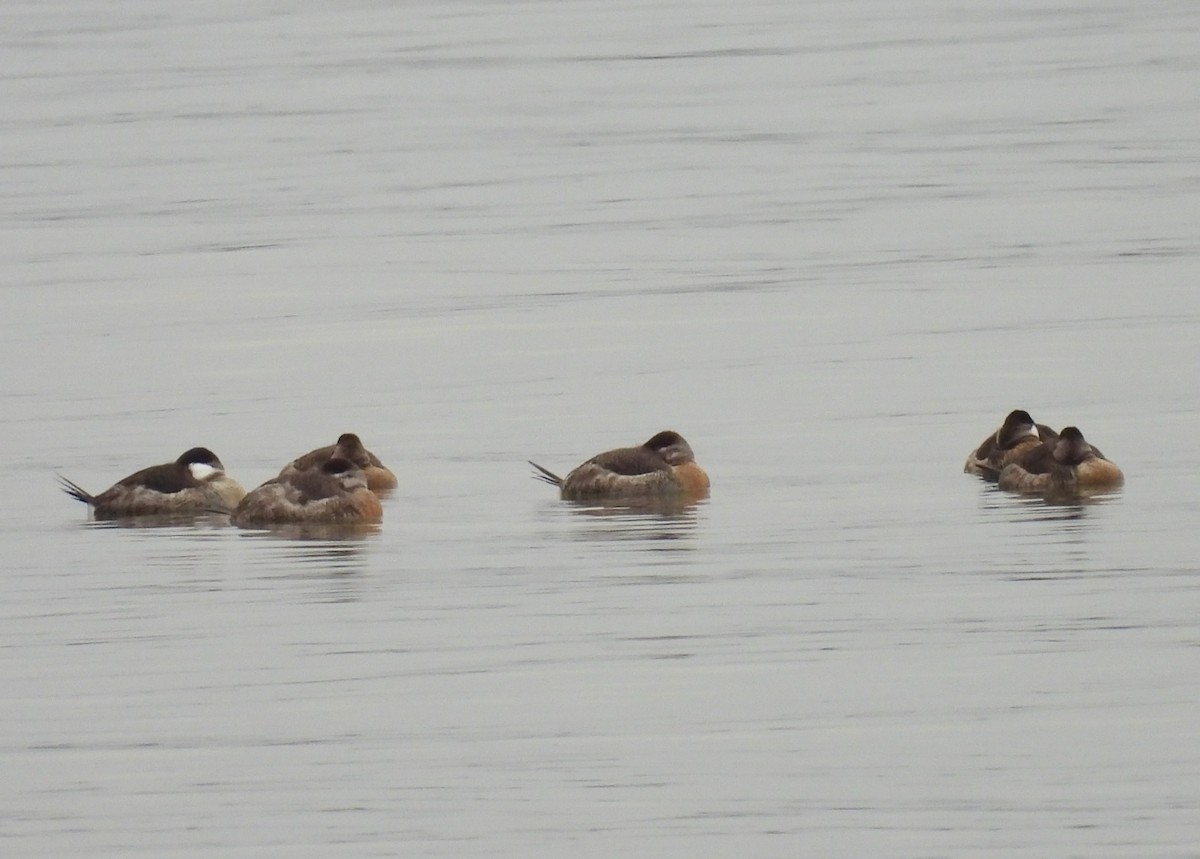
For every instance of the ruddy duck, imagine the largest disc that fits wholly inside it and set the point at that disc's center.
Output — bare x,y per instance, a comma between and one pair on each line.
1064,466
1016,438
194,483
349,446
663,466
332,493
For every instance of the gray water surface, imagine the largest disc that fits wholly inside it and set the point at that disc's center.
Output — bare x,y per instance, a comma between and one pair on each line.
832,244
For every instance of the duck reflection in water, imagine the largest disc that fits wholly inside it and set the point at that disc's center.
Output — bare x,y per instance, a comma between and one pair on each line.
660,526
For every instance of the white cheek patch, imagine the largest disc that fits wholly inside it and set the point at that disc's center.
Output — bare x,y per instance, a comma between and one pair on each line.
201,470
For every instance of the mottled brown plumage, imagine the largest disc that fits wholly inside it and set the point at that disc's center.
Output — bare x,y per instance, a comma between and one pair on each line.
1017,437
334,492
349,446
194,483
664,465
1062,467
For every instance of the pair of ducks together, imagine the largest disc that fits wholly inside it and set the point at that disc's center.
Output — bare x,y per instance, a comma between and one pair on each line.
338,484
1031,458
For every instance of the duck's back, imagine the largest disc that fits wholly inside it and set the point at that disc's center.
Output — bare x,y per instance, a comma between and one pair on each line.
158,491
379,476
626,471
307,497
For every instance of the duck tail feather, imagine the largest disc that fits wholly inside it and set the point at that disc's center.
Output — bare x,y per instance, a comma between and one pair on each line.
545,475
75,490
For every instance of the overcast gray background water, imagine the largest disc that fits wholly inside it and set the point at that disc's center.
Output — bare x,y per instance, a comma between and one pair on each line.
832,244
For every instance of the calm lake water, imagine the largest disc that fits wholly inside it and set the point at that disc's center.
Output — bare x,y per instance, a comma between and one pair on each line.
832,244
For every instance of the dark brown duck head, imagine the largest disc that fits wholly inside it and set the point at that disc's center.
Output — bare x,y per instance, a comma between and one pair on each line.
346,472
1072,448
671,446
349,446
200,462
1016,427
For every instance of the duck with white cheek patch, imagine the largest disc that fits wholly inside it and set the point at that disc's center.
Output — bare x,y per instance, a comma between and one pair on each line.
196,482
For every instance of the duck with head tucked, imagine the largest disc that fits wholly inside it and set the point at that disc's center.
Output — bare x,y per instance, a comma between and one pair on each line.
349,446
332,493
1016,438
663,467
194,483
1065,466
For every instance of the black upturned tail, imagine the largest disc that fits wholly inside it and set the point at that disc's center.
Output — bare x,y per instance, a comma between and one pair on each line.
546,476
75,491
